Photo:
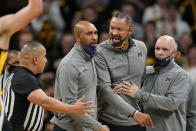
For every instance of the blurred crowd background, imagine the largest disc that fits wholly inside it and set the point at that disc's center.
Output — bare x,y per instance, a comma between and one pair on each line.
151,19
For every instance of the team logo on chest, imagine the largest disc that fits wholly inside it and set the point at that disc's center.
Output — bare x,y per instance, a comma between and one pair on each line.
167,79
139,54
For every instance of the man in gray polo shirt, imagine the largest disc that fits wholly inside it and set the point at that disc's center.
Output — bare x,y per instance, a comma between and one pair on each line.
120,58
165,91
76,77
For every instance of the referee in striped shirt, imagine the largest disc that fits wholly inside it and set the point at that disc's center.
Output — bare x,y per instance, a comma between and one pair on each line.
25,100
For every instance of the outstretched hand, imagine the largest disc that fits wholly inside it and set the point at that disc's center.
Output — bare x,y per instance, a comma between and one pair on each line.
83,108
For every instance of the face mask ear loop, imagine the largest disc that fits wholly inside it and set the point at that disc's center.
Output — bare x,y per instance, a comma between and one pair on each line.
170,57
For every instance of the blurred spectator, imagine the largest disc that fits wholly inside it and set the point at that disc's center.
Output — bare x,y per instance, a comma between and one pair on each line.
67,42
141,5
104,35
44,27
150,39
172,24
38,22
130,9
56,16
188,12
47,35
56,63
50,24
62,49
192,56
97,11
99,4
183,46
77,17
26,34
65,45
24,37
51,13
178,55
46,80
157,12
68,10
90,14
185,42
192,62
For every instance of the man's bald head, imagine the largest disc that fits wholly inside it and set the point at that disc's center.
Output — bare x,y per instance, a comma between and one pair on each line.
30,49
81,26
165,46
86,36
170,41
33,56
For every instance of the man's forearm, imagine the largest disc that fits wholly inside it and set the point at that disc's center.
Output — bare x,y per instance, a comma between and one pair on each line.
57,106
23,16
36,6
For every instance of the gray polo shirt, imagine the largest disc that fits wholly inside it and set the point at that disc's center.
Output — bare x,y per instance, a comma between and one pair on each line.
113,66
164,97
76,77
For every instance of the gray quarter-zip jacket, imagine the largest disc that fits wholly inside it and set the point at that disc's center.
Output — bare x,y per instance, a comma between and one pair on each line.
164,97
113,66
76,77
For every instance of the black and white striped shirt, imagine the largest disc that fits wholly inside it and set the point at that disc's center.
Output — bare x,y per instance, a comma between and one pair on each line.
3,78
21,112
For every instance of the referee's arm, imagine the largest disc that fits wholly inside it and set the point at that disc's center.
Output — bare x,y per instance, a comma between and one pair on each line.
40,98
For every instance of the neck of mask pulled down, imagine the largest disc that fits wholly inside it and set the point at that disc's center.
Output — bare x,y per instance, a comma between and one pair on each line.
88,48
122,43
163,62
